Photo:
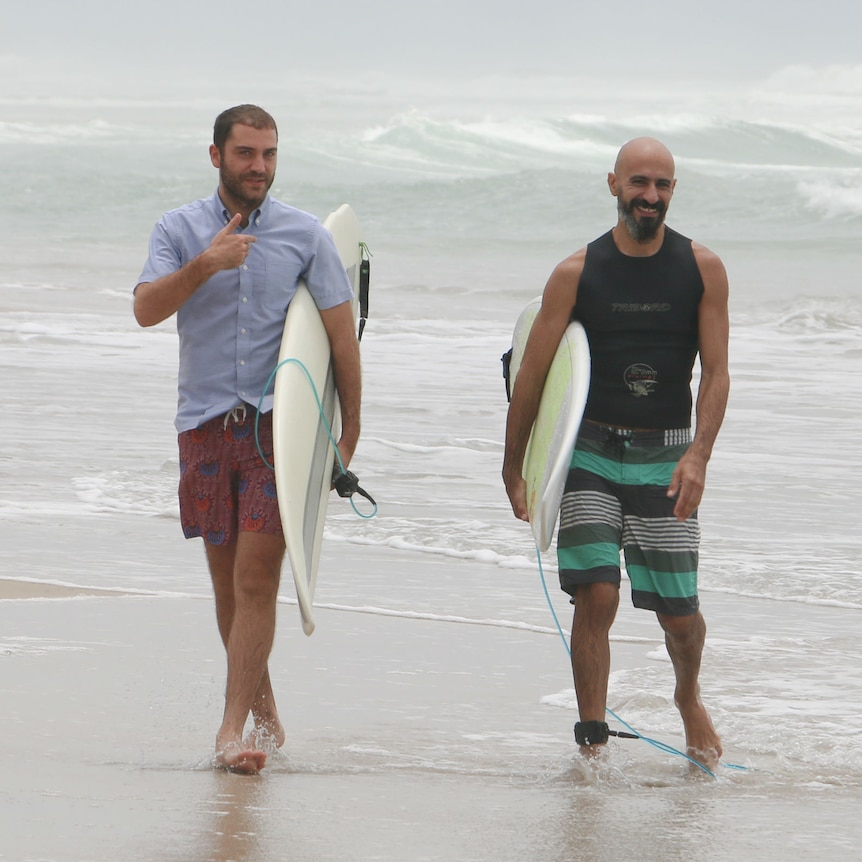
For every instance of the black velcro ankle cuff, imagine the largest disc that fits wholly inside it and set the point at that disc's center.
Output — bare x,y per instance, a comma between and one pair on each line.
591,732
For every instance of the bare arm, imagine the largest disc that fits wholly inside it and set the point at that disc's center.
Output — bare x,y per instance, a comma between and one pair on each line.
157,300
558,300
341,329
689,478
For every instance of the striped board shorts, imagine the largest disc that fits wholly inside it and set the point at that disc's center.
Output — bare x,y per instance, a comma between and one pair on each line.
616,498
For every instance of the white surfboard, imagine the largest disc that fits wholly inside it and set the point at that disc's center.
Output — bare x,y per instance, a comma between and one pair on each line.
302,450
561,409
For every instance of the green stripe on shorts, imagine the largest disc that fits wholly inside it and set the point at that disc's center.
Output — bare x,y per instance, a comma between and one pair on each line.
592,556
668,585
643,466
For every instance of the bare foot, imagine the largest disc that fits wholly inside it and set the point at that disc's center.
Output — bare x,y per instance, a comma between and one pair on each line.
268,727
708,759
592,752
234,757
265,738
703,743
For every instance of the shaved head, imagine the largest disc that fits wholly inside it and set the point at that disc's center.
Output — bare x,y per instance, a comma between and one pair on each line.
640,149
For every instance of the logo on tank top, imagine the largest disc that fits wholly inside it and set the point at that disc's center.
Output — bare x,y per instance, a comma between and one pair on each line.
641,379
641,306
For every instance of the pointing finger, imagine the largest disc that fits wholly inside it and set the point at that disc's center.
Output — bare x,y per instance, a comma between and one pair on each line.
231,226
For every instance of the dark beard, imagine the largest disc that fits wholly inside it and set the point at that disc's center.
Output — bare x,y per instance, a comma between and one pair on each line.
232,185
641,231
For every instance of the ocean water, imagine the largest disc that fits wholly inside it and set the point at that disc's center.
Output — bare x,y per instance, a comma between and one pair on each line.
468,201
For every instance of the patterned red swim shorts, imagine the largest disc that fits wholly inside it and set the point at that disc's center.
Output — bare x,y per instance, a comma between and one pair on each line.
225,486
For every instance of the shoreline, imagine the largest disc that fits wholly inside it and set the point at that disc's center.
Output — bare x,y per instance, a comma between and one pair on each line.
12,589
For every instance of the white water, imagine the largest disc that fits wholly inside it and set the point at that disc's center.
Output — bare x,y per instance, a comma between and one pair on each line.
467,207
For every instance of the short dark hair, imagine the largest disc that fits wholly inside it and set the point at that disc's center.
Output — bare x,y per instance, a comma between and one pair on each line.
247,115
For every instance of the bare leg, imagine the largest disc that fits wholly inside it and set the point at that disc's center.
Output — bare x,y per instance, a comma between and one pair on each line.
685,637
268,731
222,560
595,610
245,579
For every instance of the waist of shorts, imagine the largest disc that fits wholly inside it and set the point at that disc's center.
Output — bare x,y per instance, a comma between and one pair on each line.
242,414
649,437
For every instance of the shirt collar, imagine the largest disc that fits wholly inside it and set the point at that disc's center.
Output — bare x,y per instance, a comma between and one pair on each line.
256,217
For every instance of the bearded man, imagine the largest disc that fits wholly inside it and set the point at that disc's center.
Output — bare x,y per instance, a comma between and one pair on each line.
228,266
651,301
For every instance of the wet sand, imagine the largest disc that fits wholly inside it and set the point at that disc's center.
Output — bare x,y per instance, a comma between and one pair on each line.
14,589
408,739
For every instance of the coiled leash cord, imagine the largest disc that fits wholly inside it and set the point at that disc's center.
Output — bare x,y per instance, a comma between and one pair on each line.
345,482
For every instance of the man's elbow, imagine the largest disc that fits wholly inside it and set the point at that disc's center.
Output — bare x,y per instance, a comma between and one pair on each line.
140,307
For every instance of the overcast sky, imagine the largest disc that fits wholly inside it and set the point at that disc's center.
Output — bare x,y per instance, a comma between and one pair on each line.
720,41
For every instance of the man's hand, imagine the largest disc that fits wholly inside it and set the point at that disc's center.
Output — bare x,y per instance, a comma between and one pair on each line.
687,484
229,249
516,488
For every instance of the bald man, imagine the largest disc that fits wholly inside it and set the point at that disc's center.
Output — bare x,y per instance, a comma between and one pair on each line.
651,301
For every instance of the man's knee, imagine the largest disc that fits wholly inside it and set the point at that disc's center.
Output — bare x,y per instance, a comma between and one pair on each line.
599,593
596,603
258,564
683,627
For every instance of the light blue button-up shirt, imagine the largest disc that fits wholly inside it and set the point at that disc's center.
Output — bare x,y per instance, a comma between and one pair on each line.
230,328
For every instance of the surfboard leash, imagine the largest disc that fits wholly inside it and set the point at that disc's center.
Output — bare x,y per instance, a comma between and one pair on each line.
584,729
364,285
345,482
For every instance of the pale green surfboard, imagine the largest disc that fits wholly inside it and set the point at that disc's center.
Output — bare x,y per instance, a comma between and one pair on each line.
561,409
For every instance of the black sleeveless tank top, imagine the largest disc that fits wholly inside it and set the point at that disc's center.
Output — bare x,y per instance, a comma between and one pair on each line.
641,318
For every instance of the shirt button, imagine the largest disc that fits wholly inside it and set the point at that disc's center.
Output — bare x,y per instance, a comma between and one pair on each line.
242,332
242,362
245,266
245,299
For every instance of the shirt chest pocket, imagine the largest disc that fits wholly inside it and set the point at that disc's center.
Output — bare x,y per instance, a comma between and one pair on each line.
278,276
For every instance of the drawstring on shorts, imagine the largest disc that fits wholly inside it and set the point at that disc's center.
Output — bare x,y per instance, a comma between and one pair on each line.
616,440
238,414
